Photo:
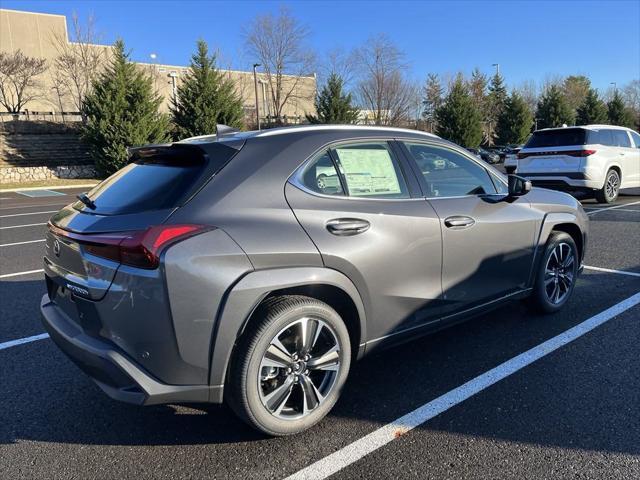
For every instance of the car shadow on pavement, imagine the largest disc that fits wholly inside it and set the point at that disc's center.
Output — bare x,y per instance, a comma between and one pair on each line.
46,398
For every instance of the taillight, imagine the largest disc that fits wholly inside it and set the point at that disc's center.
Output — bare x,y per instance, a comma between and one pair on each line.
139,248
571,153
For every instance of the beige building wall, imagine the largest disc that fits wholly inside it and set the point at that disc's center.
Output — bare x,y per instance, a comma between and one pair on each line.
35,33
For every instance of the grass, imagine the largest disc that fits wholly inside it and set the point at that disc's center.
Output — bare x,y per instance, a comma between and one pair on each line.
52,182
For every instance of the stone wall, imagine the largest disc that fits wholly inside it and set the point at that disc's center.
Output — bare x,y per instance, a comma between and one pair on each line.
40,151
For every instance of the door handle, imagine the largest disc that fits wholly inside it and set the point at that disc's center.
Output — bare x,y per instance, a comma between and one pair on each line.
459,222
344,227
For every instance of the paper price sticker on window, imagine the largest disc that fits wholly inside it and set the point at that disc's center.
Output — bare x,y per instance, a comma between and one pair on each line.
369,171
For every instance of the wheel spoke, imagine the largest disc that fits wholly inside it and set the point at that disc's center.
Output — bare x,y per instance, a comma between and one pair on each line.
311,397
276,400
327,361
310,330
276,356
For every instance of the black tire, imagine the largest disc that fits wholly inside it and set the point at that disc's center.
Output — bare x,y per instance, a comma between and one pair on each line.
611,188
245,380
540,296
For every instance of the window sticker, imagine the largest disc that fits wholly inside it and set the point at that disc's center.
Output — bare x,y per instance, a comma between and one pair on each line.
369,172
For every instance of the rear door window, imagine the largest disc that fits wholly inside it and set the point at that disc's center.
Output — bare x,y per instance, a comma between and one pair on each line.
159,179
636,139
557,138
370,170
321,176
620,138
600,137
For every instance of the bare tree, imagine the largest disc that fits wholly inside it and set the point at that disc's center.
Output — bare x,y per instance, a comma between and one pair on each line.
18,79
529,92
78,62
383,87
278,44
339,62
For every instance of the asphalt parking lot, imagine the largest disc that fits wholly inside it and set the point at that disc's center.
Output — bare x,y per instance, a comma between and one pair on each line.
572,411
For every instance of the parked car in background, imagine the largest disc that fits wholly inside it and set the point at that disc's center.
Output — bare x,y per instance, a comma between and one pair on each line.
598,159
255,267
511,159
489,157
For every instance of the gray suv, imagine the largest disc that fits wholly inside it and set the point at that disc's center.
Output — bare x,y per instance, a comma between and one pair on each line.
254,267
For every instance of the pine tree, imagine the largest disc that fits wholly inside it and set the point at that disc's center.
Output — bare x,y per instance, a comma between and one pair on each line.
458,118
205,98
592,111
515,121
496,97
333,105
432,99
478,90
553,110
575,89
121,111
618,113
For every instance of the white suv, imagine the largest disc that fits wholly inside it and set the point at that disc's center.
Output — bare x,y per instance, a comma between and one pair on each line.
600,159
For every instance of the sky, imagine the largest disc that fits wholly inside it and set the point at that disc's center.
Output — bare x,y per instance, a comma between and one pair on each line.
531,40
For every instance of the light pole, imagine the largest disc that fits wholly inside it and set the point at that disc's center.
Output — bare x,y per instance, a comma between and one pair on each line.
615,86
497,65
255,86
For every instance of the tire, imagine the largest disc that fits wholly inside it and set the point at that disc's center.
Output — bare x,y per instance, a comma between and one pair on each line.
543,297
611,188
256,390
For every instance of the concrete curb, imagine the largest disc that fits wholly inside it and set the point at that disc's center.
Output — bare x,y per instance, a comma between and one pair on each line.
60,187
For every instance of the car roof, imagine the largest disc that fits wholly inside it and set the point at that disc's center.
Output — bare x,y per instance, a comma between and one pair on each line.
280,131
587,127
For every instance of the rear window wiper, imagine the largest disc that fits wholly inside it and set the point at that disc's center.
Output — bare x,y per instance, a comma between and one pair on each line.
86,200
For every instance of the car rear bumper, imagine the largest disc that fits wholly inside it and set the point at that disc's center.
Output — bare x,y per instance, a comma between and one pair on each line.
113,370
562,181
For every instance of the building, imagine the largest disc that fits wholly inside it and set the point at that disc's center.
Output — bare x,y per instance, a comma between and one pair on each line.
37,34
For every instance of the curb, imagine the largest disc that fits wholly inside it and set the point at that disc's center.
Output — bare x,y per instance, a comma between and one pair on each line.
60,187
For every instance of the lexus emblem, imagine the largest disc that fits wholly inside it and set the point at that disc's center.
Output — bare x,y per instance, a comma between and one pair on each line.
56,248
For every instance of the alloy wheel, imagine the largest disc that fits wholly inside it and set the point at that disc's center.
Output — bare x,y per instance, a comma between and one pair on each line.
559,273
612,185
299,368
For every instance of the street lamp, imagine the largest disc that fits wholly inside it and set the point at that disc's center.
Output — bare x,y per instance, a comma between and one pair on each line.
255,86
497,65
615,86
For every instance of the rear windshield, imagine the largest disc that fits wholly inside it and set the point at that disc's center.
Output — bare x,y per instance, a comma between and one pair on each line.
558,138
160,179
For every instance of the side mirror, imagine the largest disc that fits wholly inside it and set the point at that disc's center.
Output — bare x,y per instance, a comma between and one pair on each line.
518,186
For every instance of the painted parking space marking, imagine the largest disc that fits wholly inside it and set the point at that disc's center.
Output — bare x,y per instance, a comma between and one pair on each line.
614,207
353,452
19,205
22,341
609,270
19,274
28,213
40,193
21,243
22,226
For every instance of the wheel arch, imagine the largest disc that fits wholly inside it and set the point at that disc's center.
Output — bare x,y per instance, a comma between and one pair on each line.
325,284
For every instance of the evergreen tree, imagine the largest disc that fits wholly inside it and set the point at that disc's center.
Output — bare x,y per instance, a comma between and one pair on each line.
515,121
553,110
478,91
205,98
121,111
432,99
592,111
458,118
496,97
618,113
575,89
333,105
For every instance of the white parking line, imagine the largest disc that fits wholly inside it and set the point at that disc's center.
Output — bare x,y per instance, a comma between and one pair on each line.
355,451
608,270
21,341
22,226
30,213
33,206
17,274
613,208
21,243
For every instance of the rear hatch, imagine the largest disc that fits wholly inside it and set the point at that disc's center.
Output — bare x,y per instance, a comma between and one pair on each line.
555,151
122,220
